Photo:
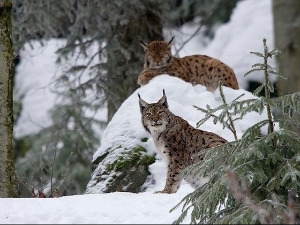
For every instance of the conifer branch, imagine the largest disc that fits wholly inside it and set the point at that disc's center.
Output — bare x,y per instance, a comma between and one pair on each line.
267,90
225,117
232,127
242,194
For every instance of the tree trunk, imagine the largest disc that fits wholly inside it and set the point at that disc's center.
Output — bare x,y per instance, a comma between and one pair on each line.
7,178
287,38
125,56
286,19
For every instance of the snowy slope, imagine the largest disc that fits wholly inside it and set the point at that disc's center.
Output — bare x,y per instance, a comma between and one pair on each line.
251,21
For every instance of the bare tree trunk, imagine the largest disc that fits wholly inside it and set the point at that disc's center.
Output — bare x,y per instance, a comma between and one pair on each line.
7,178
287,38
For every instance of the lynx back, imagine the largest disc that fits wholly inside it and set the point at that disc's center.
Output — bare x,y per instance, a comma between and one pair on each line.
196,69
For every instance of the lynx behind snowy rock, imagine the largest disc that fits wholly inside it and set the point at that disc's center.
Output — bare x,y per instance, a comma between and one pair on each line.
196,69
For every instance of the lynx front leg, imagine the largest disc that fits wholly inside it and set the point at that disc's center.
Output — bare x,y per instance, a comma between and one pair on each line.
146,75
173,181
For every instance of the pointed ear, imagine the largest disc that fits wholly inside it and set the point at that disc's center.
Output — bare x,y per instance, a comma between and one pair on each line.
163,100
145,46
169,43
142,103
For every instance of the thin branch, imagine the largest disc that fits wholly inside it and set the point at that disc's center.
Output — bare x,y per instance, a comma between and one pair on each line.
232,127
52,164
267,91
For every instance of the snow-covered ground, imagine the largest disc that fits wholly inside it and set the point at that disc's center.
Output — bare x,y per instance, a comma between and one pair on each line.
113,208
250,22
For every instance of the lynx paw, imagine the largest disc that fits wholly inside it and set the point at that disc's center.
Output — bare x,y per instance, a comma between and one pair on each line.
142,80
163,192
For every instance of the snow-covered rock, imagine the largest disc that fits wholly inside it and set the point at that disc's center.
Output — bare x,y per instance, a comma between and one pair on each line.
125,133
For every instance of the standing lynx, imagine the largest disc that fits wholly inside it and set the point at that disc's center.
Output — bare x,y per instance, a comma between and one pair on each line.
196,69
176,140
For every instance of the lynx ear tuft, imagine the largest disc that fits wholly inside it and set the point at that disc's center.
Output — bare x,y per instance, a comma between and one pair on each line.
145,46
142,103
163,101
171,40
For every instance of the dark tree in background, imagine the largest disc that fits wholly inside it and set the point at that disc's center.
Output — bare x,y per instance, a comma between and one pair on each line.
7,178
124,54
286,19
287,38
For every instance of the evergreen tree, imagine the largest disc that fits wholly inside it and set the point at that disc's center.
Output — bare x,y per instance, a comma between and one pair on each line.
286,36
58,160
255,179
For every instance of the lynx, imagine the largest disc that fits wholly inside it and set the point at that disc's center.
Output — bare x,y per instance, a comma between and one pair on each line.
196,69
176,140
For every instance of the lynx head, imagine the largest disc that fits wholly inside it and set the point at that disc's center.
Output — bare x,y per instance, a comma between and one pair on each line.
155,116
157,54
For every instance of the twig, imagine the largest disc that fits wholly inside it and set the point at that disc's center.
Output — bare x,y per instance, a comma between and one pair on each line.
267,91
232,127
52,165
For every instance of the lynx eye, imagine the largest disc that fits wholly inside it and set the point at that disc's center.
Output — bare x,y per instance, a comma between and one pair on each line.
160,113
149,57
166,56
148,60
148,114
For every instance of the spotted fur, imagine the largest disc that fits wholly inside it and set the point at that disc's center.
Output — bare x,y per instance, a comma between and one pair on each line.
196,69
175,139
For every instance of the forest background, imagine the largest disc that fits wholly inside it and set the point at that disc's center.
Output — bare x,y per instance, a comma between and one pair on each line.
116,28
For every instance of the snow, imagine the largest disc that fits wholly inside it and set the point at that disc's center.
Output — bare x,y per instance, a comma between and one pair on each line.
114,208
250,22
